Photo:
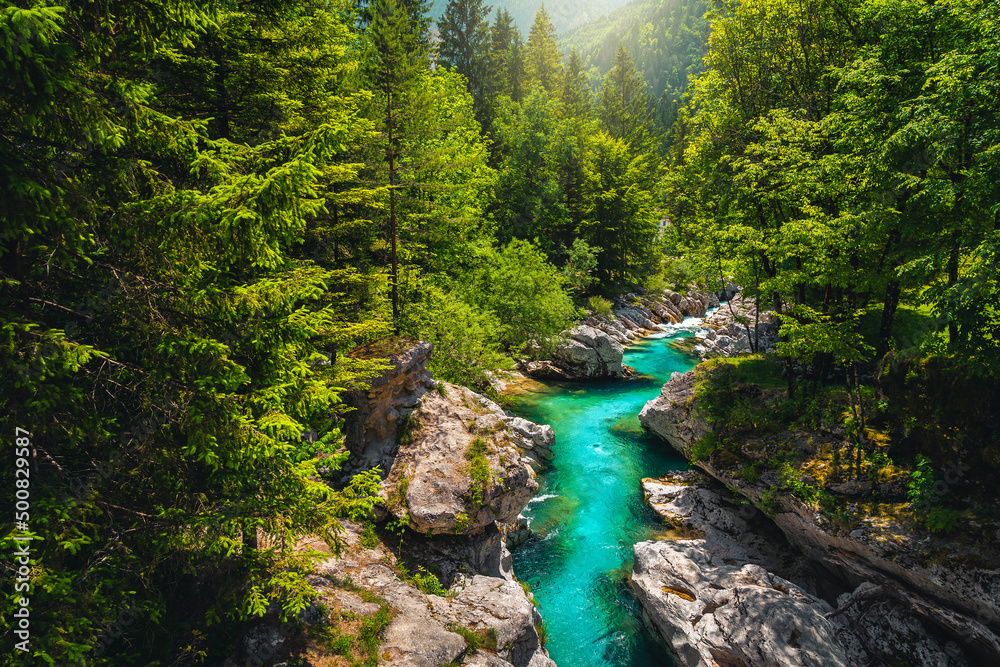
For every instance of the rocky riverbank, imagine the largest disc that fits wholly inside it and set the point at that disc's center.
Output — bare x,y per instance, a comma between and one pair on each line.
482,620
594,348
731,591
938,599
432,568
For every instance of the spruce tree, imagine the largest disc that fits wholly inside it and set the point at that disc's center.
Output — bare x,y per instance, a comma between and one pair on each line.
543,62
625,110
575,89
395,59
465,47
159,333
517,74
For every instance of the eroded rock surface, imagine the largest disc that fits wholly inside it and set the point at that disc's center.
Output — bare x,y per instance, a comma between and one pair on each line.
458,467
712,612
371,429
670,414
957,599
712,592
421,633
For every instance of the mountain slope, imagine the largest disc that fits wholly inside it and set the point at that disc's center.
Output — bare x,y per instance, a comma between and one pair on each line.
566,14
666,39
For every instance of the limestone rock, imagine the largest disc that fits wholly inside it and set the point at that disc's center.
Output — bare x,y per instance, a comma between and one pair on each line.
715,613
433,479
370,430
952,598
670,416
422,634
588,352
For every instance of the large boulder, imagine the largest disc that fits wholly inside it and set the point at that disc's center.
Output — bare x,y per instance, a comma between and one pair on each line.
371,428
670,414
712,593
587,352
458,467
366,580
423,630
713,613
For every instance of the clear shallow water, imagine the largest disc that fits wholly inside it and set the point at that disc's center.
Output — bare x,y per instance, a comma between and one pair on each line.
589,511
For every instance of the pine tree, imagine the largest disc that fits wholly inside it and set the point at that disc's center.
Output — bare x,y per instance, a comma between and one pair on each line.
517,73
395,59
543,62
465,47
575,89
625,109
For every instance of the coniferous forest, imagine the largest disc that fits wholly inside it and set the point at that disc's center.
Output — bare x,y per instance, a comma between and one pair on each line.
208,208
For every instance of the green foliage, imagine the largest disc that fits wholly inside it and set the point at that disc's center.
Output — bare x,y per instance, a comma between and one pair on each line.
599,305
920,487
750,473
427,582
461,522
479,471
703,448
942,520
877,462
164,338
618,207
768,503
466,339
543,62
577,272
536,147
369,540
678,274
791,479
484,638
625,107
525,295
543,632
407,429
666,38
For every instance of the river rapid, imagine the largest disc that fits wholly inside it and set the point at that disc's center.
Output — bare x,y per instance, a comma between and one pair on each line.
589,509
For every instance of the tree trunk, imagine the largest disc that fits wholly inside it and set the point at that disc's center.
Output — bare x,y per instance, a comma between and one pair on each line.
952,279
888,317
392,218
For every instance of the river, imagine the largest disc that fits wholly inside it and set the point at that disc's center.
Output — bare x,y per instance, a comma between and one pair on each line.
589,509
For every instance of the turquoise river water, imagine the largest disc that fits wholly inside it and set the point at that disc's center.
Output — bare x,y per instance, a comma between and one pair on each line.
589,510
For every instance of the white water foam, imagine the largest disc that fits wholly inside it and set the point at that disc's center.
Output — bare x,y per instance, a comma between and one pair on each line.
538,499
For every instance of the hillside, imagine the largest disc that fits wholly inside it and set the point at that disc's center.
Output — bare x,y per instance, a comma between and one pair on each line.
666,38
566,15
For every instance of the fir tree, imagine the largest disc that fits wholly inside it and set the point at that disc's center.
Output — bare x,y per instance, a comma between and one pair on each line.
543,62
395,61
465,47
625,109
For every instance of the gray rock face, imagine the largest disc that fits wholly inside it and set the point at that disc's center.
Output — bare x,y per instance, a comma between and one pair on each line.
589,353
422,634
670,416
710,593
715,613
954,600
370,430
433,478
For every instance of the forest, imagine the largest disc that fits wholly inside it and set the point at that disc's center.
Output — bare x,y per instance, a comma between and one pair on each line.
207,206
